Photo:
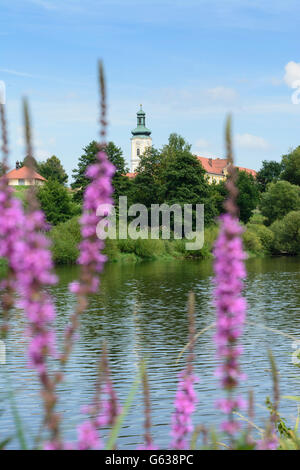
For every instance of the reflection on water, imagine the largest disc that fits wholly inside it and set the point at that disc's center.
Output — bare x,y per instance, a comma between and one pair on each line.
141,311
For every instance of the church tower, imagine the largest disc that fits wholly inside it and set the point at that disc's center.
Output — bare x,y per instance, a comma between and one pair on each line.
140,140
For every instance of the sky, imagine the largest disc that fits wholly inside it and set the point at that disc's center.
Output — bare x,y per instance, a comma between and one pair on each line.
188,62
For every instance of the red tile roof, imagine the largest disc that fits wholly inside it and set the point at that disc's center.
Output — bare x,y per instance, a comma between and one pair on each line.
217,165
24,173
213,166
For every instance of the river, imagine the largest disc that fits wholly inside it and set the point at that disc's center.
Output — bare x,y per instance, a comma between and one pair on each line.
141,312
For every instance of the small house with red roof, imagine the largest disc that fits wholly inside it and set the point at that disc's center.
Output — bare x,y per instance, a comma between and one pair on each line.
24,176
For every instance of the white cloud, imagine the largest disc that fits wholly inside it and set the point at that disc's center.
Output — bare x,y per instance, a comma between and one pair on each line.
18,74
292,74
221,93
201,143
201,146
253,142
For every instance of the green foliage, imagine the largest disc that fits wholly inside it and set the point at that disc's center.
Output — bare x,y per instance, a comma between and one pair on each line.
257,218
65,238
111,249
218,194
265,235
270,172
287,234
52,169
282,428
2,169
20,193
291,167
173,176
183,177
252,242
3,267
55,202
279,199
126,245
148,181
120,182
248,197
210,235
86,159
149,249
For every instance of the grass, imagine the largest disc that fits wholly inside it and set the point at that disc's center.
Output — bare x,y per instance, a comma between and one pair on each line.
66,236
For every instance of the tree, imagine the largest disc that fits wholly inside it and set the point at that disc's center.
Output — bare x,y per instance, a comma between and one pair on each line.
86,159
121,183
52,169
248,196
219,194
279,199
291,167
287,233
183,177
115,156
270,172
147,183
55,202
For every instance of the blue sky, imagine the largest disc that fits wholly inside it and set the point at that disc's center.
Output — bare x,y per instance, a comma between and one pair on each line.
189,62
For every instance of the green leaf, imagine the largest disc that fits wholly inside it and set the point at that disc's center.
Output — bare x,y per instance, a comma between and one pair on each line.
116,428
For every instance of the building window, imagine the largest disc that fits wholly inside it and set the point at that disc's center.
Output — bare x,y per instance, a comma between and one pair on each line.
138,152
21,182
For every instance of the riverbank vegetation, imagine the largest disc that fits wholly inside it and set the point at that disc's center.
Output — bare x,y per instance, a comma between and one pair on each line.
282,237
269,204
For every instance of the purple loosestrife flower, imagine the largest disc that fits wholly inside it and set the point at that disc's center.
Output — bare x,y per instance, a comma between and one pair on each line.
103,411
88,436
269,441
11,221
98,193
230,304
33,258
185,405
110,407
33,264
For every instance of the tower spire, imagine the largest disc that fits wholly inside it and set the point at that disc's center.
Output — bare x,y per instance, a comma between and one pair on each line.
140,139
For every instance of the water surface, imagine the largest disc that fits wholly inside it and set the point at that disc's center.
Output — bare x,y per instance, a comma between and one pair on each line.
141,312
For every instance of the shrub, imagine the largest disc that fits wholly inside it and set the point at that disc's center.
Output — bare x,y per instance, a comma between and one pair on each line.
287,234
146,248
65,238
252,242
279,199
257,218
55,202
111,249
179,246
210,235
3,267
265,235
127,245
64,248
